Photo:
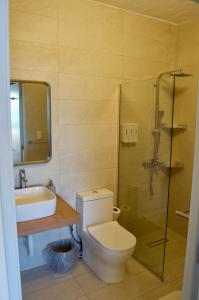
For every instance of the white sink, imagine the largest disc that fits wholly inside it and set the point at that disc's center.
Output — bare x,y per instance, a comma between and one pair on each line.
34,203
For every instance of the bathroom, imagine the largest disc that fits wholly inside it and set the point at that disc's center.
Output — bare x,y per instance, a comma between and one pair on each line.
108,66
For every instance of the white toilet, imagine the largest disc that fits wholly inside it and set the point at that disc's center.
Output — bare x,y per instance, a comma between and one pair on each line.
106,244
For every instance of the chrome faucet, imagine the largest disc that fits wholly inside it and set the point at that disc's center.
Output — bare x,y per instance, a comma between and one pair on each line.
22,178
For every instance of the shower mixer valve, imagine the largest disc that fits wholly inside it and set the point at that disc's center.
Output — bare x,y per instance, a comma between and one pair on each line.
152,164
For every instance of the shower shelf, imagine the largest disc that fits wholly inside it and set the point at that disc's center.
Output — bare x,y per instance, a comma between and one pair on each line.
174,126
173,165
148,164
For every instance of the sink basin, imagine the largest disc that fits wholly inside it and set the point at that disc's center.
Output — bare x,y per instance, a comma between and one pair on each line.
34,203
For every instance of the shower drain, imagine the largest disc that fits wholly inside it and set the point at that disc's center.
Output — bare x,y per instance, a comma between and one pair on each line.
157,243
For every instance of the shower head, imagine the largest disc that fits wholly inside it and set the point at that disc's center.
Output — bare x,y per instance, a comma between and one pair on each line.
174,73
180,74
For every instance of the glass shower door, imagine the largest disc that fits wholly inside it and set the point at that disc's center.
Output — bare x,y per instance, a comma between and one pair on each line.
143,185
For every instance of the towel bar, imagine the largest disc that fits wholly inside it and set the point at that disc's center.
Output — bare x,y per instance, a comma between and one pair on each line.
184,214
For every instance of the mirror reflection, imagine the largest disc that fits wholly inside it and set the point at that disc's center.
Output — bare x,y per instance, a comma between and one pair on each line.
30,121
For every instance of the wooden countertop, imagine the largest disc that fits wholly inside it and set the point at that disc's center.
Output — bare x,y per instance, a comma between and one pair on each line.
65,215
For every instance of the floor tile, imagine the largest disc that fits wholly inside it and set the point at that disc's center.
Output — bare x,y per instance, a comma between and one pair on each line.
154,256
177,295
89,282
131,287
174,269
64,290
82,298
42,277
82,284
156,293
140,284
134,267
110,292
80,269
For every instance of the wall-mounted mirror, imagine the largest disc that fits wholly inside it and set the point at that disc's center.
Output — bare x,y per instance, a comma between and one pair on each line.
31,122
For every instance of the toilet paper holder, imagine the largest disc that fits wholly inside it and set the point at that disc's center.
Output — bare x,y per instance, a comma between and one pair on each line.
116,213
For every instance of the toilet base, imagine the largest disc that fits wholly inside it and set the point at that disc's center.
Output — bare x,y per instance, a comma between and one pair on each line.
106,274
103,266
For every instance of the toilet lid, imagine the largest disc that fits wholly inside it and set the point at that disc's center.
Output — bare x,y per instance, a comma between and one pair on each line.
113,236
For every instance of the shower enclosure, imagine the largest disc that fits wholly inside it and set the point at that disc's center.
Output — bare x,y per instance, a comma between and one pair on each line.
145,163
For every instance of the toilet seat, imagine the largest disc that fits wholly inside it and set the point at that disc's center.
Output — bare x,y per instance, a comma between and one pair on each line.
112,236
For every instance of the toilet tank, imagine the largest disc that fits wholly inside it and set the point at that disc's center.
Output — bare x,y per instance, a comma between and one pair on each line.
94,207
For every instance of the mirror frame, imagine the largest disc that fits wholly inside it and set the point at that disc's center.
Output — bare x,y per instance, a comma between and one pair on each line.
49,120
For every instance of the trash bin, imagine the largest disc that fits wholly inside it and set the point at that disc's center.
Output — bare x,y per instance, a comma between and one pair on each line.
61,255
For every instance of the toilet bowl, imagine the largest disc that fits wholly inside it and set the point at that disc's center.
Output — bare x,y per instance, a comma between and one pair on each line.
107,247
106,244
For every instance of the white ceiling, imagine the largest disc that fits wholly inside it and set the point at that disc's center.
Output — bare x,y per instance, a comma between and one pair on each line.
175,11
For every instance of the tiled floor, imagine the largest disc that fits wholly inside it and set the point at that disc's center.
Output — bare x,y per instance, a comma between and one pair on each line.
177,295
153,257
175,258
82,284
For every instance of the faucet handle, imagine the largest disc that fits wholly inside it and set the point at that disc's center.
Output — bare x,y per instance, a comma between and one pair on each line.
22,172
22,177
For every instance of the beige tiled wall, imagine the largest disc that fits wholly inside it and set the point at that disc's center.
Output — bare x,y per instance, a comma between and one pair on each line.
184,112
84,49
